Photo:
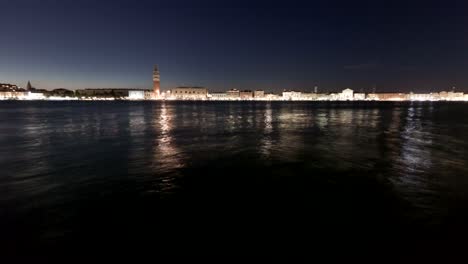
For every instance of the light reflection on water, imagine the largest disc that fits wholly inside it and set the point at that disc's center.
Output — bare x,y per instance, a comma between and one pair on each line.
266,144
167,155
343,136
413,166
61,153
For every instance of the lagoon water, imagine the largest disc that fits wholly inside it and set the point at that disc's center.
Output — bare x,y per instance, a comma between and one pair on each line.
233,176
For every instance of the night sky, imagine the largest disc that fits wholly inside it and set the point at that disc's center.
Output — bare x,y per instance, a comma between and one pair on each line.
393,45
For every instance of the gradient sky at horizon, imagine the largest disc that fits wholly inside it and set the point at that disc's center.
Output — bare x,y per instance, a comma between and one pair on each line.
393,45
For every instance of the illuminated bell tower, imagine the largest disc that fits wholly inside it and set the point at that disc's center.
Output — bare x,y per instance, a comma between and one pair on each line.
156,84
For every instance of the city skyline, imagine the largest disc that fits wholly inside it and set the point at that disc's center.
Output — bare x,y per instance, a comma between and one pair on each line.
196,93
395,47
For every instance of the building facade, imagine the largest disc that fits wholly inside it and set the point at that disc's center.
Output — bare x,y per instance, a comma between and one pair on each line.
136,95
291,95
233,94
13,95
273,97
61,92
387,96
309,96
359,96
246,95
34,95
259,94
218,96
120,93
8,86
323,97
189,93
346,95
455,96
423,97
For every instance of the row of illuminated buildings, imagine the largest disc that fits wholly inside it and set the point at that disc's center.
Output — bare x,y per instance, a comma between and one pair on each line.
13,92
9,91
201,93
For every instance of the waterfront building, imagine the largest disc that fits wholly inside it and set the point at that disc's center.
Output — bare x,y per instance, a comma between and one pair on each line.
150,95
61,92
359,96
246,95
273,97
8,87
323,97
346,95
189,93
218,96
291,95
259,94
35,95
136,95
11,91
233,94
372,97
387,96
309,96
13,95
443,95
30,93
334,97
106,92
454,96
421,97
435,96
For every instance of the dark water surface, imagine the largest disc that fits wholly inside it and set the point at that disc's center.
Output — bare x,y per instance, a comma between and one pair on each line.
234,177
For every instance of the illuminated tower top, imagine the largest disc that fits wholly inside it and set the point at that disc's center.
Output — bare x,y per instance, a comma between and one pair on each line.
155,73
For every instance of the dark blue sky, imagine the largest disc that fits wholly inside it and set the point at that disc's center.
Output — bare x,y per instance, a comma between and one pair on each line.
394,45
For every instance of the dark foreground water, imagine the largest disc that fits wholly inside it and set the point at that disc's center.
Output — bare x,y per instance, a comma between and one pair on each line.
234,177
